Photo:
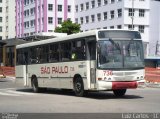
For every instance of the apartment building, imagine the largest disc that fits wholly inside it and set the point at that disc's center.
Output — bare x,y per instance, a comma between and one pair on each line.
36,16
7,19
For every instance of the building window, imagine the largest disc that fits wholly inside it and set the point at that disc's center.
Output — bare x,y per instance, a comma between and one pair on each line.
76,20
0,9
59,8
131,27
32,23
69,8
87,19
112,14
99,16
32,11
50,7
119,26
99,3
105,15
92,18
131,12
76,7
87,5
112,1
42,7
104,27
81,19
50,20
0,19
81,7
93,3
32,1
0,1
119,12
27,24
141,12
111,27
28,12
119,0
59,20
105,2
141,29
1,29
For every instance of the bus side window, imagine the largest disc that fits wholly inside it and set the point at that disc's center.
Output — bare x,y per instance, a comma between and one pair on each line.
54,53
92,50
22,57
19,57
43,54
66,51
78,50
34,55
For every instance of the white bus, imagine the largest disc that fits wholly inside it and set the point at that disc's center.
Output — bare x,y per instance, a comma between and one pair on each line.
95,60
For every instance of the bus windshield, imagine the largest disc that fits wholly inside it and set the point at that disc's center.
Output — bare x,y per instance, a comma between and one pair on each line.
120,54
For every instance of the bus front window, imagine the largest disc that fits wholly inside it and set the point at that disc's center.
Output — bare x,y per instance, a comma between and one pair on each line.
119,54
110,55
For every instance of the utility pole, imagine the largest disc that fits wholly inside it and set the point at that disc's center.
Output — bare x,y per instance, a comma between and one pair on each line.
132,17
157,48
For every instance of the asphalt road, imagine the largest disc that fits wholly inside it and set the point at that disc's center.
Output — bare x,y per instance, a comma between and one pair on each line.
17,99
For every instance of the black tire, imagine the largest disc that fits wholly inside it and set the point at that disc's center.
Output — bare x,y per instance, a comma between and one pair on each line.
78,87
35,85
119,92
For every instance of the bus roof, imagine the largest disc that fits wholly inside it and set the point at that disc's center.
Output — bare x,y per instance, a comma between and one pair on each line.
68,37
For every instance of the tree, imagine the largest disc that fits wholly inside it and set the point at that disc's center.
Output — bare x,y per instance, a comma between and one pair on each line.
68,27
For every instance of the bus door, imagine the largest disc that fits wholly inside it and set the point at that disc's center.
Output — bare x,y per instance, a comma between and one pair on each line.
92,59
22,67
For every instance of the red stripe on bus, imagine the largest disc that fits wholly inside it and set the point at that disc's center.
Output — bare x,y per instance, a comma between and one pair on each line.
124,85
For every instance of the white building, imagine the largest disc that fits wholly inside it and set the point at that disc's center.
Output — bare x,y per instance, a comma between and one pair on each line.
114,14
7,19
154,38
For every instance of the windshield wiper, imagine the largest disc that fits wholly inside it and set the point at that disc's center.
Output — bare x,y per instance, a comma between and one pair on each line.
115,44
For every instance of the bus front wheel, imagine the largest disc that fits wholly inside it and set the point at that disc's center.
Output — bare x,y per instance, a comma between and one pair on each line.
119,92
35,85
78,87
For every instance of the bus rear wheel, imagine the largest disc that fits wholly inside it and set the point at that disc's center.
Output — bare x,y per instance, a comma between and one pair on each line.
78,87
119,92
35,85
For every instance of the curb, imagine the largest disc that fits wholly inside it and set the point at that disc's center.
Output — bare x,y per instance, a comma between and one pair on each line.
153,84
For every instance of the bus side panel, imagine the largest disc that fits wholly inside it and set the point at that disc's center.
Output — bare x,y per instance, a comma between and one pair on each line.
21,77
36,70
59,75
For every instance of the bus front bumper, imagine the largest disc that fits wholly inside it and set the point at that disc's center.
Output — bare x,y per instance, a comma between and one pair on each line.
104,85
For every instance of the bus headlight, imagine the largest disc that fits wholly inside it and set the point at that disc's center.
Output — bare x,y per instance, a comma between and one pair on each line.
142,77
